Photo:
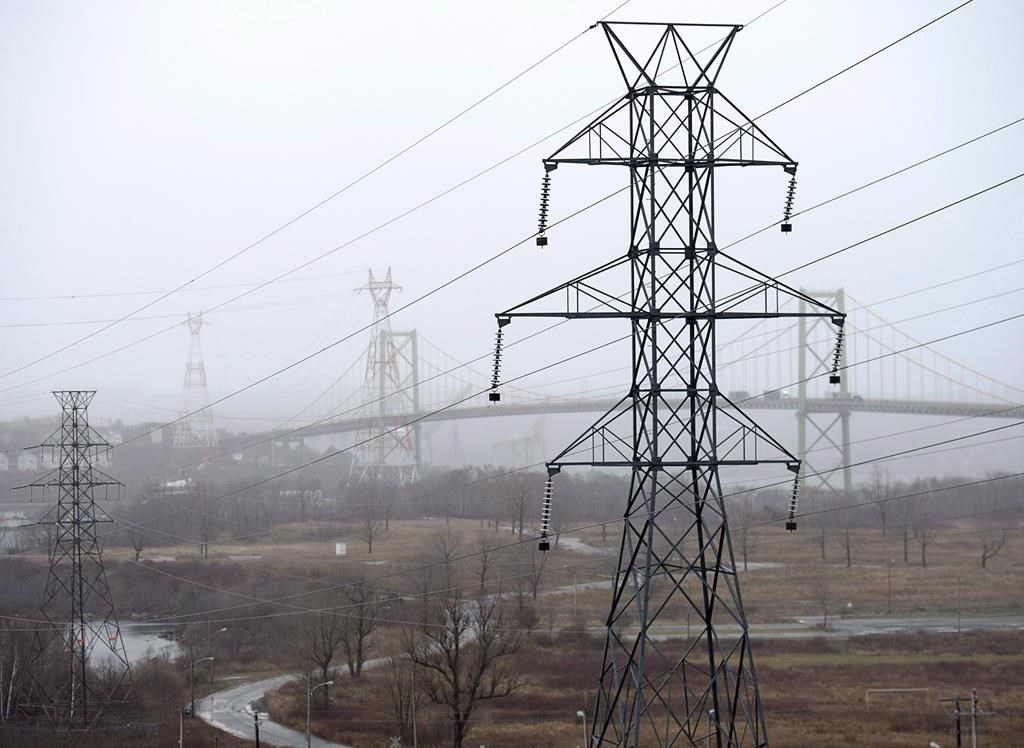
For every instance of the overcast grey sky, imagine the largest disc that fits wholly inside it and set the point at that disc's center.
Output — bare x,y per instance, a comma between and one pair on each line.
144,142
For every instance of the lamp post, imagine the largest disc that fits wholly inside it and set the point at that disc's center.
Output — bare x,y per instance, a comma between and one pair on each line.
309,704
209,646
192,680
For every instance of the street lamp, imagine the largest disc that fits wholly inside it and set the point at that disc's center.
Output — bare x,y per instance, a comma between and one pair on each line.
192,681
309,702
209,646
581,717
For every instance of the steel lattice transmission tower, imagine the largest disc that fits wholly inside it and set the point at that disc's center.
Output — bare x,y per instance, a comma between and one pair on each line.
81,630
195,426
387,449
829,425
672,131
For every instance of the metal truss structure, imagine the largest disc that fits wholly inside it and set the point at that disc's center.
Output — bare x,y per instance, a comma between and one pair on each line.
829,426
195,427
673,429
80,674
387,447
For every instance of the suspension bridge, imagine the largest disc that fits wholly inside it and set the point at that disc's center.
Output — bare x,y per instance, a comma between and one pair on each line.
404,385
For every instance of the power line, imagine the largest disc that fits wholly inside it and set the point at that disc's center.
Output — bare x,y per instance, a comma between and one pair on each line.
309,210
499,548
378,227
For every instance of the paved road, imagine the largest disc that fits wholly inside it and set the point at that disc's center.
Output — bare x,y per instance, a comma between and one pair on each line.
231,711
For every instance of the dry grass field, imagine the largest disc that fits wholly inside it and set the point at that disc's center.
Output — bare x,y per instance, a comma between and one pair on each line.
814,692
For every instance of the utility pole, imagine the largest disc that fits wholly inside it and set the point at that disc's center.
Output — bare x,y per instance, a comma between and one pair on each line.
673,429
81,623
195,427
256,724
958,713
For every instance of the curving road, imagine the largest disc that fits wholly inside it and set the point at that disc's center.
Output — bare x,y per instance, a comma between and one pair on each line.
231,711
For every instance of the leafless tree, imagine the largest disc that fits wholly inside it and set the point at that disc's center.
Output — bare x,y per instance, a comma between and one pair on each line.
487,553
360,616
405,698
319,638
744,516
879,489
136,539
370,524
903,515
823,591
844,520
922,523
463,656
445,545
992,541
14,658
518,500
822,524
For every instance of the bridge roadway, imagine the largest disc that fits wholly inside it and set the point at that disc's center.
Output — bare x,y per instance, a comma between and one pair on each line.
548,407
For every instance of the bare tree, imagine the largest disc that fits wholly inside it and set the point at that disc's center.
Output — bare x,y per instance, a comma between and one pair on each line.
992,541
844,519
925,535
463,658
445,546
370,525
822,524
319,639
405,698
744,515
879,489
136,539
487,553
903,515
518,499
361,616
823,591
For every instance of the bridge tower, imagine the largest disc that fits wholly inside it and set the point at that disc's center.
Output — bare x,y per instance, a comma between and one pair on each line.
825,451
387,449
195,428
80,673
673,132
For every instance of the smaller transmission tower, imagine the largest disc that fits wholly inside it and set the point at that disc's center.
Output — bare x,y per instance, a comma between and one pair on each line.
81,634
195,427
387,449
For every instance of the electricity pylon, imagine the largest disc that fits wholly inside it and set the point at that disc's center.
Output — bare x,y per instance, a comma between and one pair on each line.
672,130
828,423
80,674
195,428
387,449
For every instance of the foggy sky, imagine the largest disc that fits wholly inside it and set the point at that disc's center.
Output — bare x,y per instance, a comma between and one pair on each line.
143,142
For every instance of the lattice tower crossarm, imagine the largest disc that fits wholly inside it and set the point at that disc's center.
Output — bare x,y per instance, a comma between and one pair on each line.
80,672
195,427
387,449
672,130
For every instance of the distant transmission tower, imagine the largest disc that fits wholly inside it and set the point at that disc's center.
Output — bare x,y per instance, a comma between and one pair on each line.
80,673
196,427
673,130
387,450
